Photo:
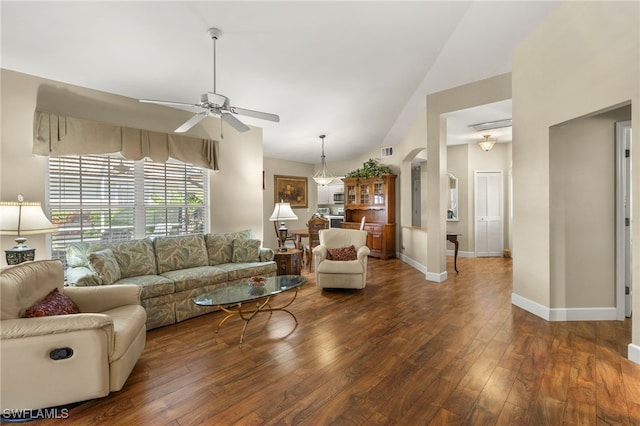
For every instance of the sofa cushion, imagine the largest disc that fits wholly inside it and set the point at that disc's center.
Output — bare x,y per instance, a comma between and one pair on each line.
220,246
342,253
181,252
201,276
104,263
55,303
135,257
77,254
245,250
340,267
237,271
152,285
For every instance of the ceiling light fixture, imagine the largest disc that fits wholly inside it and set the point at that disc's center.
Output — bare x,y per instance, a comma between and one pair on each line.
490,125
323,176
486,144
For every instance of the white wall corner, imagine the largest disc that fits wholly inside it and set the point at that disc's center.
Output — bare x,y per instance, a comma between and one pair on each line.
413,263
530,306
633,353
438,278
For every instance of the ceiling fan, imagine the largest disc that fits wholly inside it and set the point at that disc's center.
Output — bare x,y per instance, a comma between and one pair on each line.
214,104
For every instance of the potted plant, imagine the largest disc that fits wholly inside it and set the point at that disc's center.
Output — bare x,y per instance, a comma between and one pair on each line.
370,168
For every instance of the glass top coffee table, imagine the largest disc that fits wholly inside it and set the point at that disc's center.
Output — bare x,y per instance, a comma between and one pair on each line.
232,298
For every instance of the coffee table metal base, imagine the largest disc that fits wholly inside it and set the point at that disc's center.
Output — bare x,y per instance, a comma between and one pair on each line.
248,315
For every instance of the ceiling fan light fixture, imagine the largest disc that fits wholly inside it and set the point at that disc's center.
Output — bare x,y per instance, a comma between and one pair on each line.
486,144
213,104
323,176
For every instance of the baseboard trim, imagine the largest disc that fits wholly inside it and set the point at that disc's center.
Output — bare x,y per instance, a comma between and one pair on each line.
564,314
461,253
413,263
429,276
530,306
436,277
583,314
633,353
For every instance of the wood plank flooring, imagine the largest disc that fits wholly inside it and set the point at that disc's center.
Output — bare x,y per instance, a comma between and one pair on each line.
403,351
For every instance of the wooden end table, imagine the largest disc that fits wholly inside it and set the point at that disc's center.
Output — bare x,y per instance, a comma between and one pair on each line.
289,262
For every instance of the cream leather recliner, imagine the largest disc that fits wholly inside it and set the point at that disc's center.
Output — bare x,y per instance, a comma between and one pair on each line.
341,273
96,349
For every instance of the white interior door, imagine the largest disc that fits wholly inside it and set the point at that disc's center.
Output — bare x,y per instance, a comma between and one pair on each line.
488,214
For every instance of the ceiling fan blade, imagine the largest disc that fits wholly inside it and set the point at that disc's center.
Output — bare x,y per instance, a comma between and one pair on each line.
231,120
192,122
256,114
170,103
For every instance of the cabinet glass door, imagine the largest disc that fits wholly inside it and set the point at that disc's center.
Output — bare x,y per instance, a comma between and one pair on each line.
364,193
351,194
378,192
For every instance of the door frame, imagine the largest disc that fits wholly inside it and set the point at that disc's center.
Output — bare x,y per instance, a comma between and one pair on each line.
623,174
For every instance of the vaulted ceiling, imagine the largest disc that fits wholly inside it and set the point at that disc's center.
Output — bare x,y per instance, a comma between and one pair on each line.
356,71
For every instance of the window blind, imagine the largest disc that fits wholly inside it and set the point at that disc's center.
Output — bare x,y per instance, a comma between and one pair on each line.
107,198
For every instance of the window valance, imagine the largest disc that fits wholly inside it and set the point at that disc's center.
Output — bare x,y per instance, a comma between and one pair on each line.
56,135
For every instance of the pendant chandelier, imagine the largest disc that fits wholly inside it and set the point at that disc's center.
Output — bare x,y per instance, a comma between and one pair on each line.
486,144
323,176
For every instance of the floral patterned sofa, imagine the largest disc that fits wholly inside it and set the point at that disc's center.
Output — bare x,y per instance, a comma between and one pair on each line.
171,270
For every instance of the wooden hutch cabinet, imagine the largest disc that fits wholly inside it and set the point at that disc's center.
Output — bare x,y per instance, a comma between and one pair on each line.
374,199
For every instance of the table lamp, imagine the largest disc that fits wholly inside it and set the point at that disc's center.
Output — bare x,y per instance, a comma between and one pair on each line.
282,212
22,218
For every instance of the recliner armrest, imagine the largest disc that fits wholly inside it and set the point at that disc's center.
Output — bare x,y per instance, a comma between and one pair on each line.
363,253
40,326
320,252
103,298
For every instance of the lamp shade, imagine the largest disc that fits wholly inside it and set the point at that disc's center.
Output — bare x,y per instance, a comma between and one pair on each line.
282,211
20,218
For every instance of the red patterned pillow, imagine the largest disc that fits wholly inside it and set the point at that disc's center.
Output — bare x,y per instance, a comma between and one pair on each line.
342,253
55,303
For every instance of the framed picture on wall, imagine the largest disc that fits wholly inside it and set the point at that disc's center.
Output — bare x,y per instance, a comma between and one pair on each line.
290,189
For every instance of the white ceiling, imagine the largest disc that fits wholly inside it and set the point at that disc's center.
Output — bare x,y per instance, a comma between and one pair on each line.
356,71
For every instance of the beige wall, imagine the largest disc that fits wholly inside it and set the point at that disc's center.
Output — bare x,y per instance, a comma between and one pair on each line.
235,191
274,167
582,59
583,198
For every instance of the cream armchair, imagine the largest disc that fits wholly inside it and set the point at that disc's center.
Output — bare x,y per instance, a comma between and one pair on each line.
341,273
57,360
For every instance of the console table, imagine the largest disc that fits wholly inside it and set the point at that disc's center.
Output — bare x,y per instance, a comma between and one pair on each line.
454,239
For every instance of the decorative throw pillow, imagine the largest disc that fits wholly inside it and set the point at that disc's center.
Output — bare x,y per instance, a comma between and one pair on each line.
104,263
55,303
220,246
246,251
342,253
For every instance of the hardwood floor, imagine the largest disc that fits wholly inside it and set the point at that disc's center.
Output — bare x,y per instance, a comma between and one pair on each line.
403,351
